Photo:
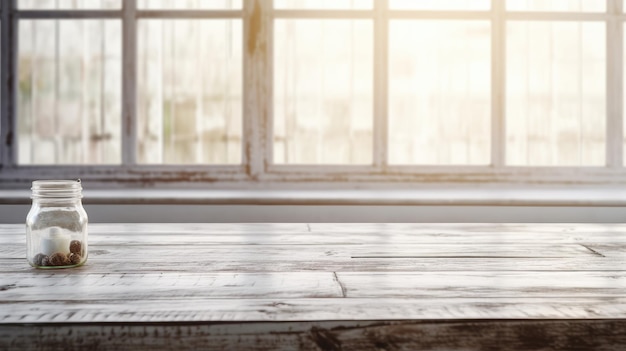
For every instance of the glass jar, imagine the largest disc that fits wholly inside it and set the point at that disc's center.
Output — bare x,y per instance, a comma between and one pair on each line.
56,226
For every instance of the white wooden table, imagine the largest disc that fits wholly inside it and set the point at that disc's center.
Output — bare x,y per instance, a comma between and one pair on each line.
322,287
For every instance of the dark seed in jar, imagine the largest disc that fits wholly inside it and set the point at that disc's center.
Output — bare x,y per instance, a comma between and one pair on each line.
58,259
76,247
46,261
74,258
38,259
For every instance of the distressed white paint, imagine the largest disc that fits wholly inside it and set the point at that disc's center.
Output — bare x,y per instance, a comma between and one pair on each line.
155,273
233,310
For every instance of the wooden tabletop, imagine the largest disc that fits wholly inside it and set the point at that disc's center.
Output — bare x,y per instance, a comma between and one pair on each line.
322,287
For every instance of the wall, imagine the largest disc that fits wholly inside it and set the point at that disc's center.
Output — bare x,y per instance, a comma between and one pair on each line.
327,213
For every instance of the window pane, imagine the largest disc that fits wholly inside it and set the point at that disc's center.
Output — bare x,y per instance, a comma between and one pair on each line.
439,92
323,83
190,4
323,4
468,5
557,5
69,92
190,91
556,101
69,4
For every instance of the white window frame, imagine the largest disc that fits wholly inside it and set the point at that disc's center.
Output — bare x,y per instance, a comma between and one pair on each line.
257,168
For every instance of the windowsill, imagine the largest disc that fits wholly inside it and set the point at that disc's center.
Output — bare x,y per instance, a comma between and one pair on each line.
608,196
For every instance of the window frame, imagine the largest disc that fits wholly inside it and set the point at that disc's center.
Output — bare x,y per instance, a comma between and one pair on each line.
257,168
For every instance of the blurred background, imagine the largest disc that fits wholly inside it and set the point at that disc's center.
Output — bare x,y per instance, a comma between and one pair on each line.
439,86
419,82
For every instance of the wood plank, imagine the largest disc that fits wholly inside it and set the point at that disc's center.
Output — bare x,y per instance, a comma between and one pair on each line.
482,284
504,231
78,286
337,233
463,250
333,264
460,229
307,252
325,335
280,258
179,228
206,228
286,238
313,309
74,286
503,228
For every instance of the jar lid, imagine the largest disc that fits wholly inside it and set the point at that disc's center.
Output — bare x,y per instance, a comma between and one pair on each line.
57,189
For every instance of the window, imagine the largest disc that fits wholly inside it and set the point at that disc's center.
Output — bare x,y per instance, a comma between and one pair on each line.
343,91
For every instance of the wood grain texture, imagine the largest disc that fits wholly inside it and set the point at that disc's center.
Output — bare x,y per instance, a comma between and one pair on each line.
61,286
320,233
97,264
325,335
484,284
322,287
312,309
228,252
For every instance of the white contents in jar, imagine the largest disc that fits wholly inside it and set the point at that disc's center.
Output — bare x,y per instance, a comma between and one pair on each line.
55,241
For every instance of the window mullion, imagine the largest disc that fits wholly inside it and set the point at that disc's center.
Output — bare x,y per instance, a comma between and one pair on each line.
381,92
129,83
498,84
258,86
614,85
8,74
